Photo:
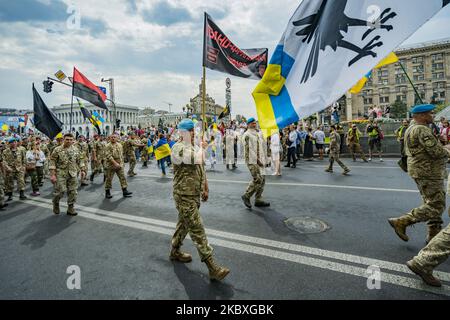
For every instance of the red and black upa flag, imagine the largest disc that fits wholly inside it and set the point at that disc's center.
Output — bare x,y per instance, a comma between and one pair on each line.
88,91
44,119
220,54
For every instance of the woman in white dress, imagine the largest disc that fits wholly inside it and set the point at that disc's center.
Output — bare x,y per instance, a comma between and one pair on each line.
275,152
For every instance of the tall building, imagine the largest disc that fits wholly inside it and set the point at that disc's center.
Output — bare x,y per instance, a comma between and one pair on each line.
428,66
212,109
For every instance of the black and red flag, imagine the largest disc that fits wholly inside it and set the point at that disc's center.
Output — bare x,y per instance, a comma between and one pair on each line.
220,54
85,89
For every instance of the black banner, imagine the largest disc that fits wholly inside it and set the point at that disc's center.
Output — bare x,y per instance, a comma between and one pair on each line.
220,54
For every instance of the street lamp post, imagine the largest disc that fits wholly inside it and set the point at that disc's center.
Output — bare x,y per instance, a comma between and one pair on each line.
112,99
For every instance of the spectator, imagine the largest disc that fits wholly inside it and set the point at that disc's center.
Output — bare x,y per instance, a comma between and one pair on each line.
308,153
319,137
275,146
291,144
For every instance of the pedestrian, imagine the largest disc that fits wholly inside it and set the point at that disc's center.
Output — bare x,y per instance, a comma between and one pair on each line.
291,144
3,170
115,165
335,143
35,161
190,185
319,137
427,160
230,141
375,136
308,154
255,160
65,164
353,142
275,153
212,151
444,133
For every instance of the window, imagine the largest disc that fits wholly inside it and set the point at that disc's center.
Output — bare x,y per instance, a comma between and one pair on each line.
439,85
383,73
401,98
403,62
419,77
437,66
400,78
383,82
417,59
384,99
418,69
437,56
384,90
421,86
438,75
368,101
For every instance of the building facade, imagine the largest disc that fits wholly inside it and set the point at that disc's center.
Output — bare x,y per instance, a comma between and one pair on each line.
165,118
428,66
212,108
128,115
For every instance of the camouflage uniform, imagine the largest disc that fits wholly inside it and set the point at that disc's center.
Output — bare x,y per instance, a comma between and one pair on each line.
130,146
188,181
16,160
2,182
427,166
113,151
83,149
98,148
354,144
255,160
144,152
67,163
335,147
46,150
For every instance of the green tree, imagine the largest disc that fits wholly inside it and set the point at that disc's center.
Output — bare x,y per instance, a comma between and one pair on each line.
399,109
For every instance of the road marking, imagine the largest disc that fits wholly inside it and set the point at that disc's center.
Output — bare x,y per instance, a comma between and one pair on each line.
288,184
167,228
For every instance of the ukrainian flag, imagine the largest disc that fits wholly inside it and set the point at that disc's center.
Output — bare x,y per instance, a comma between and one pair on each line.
162,149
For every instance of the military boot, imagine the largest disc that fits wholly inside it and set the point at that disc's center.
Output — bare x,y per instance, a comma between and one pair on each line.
22,195
346,172
247,202
427,277
261,203
56,209
176,254
3,206
91,178
216,272
71,211
108,194
400,225
329,170
433,231
10,196
126,193
145,165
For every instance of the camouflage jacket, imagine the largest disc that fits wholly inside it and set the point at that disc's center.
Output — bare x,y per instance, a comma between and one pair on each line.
16,160
66,161
99,148
335,142
130,146
427,157
113,151
253,147
188,169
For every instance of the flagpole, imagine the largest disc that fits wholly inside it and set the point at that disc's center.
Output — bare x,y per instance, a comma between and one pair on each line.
71,112
204,101
410,81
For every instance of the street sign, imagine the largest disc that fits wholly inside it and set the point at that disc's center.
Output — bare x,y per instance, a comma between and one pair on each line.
60,75
103,89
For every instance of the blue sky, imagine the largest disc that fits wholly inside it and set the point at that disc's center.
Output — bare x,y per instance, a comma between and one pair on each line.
153,49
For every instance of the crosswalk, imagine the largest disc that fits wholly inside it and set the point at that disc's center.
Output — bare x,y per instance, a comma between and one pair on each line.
344,263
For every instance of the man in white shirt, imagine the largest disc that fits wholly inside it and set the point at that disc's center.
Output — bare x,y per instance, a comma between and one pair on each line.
319,136
292,144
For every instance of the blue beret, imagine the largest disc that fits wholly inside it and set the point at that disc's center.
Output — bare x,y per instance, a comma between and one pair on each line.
186,125
12,139
194,116
423,108
251,120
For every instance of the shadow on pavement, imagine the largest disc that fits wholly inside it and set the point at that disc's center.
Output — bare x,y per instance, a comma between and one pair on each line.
199,287
40,231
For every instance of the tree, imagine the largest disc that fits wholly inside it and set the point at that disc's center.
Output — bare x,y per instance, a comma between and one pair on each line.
399,109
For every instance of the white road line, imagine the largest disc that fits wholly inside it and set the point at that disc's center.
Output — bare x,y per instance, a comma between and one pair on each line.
313,262
264,242
310,185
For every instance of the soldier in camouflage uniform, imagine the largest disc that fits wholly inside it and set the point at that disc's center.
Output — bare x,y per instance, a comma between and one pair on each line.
15,158
83,149
65,164
97,156
114,164
189,185
144,152
255,159
427,160
335,147
3,169
353,143
130,147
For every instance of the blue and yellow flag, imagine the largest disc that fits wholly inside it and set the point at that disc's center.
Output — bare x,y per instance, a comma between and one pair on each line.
162,149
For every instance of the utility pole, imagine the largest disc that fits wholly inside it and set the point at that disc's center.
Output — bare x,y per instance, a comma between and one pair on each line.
170,106
112,98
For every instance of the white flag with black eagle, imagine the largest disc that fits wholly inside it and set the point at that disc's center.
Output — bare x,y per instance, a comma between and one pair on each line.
327,47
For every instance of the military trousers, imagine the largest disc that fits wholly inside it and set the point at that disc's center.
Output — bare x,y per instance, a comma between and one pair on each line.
144,154
334,156
65,183
132,160
433,206
19,176
34,179
110,172
355,148
256,186
436,252
2,189
190,222
97,166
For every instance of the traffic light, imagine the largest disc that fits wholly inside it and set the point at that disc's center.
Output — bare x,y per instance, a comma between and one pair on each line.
48,86
118,123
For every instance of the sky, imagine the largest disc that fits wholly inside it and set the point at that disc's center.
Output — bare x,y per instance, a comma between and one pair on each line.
152,49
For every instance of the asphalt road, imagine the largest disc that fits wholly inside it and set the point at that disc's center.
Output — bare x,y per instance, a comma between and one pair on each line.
122,245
